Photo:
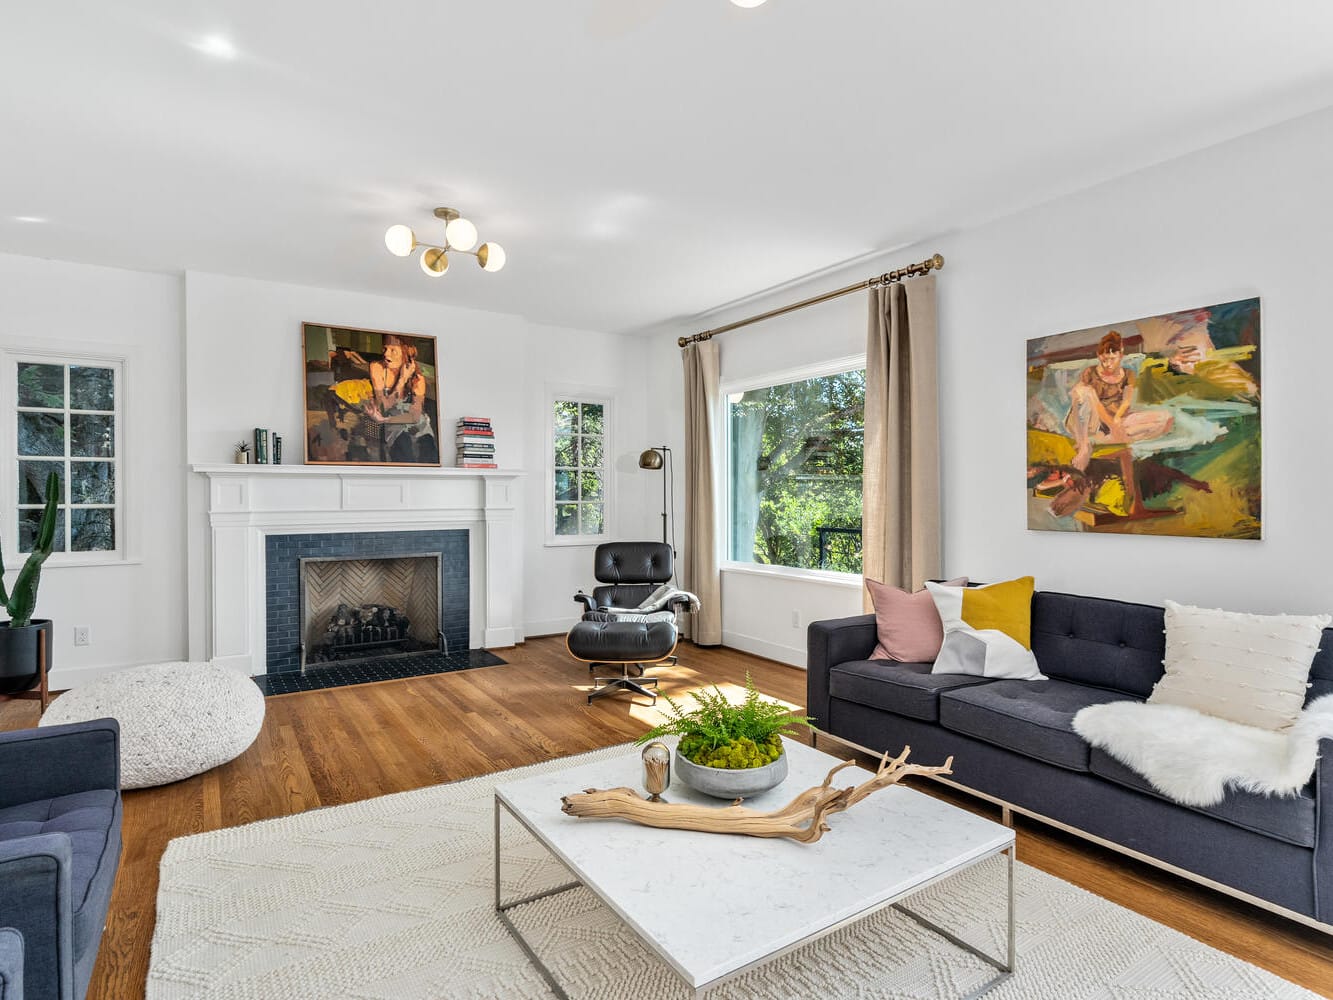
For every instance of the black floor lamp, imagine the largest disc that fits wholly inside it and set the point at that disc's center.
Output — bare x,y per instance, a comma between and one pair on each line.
659,457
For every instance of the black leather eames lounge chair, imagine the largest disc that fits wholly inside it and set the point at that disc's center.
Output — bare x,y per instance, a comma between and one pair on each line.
617,628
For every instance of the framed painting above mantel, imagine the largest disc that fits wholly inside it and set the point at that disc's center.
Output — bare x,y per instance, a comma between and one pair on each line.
371,397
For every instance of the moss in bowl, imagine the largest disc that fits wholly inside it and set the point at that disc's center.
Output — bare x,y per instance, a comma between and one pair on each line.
728,750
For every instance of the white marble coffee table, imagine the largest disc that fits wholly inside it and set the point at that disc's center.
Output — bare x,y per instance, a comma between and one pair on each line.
771,895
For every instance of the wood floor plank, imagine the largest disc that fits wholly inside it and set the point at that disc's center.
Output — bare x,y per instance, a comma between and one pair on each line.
342,745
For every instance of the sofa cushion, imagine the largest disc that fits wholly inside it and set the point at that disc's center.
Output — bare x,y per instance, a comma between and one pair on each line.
1029,717
1099,641
908,689
1289,818
89,820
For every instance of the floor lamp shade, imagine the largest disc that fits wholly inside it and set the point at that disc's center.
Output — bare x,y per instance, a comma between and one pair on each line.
655,459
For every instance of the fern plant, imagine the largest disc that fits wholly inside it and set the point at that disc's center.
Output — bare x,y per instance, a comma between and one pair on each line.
717,733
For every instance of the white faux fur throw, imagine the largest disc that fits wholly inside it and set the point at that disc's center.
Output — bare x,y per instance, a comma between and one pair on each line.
1194,758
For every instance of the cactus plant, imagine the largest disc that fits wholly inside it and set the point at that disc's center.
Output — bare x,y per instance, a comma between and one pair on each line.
20,601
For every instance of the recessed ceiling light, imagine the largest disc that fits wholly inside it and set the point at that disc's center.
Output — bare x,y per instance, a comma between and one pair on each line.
216,46
747,3
29,218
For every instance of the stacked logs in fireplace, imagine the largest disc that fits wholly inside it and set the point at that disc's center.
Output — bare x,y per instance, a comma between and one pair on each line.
368,626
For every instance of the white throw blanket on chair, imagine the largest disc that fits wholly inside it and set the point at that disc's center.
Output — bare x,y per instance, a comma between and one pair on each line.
1195,758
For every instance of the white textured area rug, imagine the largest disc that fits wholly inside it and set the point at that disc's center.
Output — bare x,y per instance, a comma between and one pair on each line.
392,899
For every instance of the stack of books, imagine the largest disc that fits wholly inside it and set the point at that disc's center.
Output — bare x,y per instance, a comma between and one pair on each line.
475,442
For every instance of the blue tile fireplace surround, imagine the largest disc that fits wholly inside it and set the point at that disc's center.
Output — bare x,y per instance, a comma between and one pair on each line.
282,581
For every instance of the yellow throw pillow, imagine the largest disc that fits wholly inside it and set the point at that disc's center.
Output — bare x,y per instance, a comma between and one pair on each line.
1005,607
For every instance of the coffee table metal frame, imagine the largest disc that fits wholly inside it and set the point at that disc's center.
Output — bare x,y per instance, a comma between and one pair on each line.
1005,965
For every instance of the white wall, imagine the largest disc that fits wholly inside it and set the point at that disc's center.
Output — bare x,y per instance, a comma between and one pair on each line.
562,359
1249,217
244,369
136,610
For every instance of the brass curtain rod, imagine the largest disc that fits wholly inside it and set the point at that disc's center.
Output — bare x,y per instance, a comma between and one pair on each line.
889,277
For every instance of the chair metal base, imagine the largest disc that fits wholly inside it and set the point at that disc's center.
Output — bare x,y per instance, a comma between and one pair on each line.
614,685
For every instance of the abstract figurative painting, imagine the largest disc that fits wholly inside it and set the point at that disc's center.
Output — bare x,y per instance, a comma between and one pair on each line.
1149,427
371,398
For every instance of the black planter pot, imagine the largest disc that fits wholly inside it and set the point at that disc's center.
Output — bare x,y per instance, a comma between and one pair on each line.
19,669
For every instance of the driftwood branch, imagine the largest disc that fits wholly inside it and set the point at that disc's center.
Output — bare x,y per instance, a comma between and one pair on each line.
800,819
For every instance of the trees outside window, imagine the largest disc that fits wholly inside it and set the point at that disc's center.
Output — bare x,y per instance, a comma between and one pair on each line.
67,421
796,451
579,495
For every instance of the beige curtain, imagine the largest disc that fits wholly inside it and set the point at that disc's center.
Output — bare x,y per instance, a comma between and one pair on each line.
901,486
699,571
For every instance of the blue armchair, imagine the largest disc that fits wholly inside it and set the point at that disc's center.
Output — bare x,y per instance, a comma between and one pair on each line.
60,816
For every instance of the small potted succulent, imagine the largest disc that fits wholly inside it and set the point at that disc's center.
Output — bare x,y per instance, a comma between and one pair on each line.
725,750
20,637
242,453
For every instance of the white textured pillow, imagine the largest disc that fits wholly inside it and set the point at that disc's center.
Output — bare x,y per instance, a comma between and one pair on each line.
1251,669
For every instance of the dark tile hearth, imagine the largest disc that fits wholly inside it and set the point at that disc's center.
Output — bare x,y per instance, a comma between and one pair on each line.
387,669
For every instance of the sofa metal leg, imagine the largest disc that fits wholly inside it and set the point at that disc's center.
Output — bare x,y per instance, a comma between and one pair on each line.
1007,817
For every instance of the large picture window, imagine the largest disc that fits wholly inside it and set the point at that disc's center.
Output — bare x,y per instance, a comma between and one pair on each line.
579,487
67,421
795,451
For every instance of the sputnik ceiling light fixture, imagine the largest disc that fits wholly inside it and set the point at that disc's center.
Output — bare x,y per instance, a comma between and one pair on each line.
459,235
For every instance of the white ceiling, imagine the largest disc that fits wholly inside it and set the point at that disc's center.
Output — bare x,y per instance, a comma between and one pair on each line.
638,159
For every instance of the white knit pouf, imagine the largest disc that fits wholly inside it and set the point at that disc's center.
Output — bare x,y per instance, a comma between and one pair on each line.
176,719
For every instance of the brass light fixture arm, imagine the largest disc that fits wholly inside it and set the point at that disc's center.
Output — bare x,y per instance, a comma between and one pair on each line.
916,270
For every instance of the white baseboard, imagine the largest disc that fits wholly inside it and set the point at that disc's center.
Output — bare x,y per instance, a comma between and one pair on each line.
551,626
68,678
763,647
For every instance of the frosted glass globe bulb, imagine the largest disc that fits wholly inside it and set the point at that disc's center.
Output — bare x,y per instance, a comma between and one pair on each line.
434,262
400,240
460,234
491,256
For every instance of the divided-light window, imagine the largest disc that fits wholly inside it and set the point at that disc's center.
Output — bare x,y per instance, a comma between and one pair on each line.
68,422
579,442
795,451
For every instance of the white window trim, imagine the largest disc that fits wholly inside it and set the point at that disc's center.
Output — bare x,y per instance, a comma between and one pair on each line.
11,354
786,376
824,576
581,394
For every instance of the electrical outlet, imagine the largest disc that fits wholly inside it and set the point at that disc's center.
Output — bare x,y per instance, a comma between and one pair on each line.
795,619
83,635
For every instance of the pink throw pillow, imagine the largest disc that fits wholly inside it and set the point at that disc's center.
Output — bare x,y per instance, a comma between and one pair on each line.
908,625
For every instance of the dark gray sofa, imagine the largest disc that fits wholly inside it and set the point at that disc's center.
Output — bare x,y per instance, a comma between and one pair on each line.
1013,743
60,817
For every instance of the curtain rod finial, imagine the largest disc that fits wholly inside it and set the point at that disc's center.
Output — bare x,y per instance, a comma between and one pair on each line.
937,261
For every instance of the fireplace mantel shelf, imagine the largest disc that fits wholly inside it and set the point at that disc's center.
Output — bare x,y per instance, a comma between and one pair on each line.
232,469
249,503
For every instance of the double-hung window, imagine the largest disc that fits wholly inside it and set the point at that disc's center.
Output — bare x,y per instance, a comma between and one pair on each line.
578,486
67,420
795,448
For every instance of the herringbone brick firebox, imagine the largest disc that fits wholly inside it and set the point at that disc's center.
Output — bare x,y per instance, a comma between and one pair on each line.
393,568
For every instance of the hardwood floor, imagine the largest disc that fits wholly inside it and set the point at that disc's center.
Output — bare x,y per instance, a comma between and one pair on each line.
324,748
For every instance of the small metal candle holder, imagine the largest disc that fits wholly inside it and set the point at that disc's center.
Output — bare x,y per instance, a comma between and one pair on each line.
656,770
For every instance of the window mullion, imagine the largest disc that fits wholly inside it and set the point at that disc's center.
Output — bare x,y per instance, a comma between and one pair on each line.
69,466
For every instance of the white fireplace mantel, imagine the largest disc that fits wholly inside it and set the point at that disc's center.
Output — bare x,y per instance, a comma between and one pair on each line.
247,503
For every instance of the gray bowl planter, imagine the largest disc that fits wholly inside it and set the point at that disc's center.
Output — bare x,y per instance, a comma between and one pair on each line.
725,783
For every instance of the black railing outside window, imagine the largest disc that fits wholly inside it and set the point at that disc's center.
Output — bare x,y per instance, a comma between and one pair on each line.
839,548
